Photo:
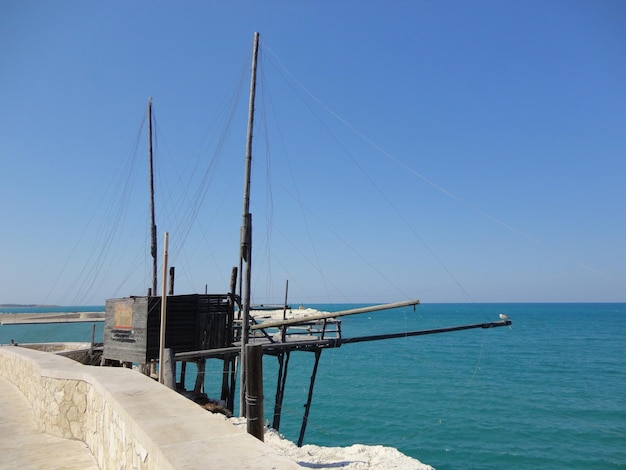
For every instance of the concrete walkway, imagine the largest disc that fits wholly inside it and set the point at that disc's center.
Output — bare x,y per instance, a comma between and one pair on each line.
23,446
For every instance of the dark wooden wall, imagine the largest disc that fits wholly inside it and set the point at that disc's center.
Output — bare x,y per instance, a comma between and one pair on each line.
193,322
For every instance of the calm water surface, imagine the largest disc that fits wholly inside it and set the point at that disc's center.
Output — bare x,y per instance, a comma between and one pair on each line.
549,392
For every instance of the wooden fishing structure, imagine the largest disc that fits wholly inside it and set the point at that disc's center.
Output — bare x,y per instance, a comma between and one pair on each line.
220,326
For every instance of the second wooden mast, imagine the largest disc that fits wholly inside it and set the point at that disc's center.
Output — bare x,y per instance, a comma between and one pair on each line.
246,233
153,229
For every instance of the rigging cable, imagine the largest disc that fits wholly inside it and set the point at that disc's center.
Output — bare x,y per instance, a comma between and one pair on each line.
375,185
438,187
93,267
194,192
480,353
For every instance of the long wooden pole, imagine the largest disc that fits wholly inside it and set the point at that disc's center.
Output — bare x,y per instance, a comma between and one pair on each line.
246,231
338,342
163,309
153,230
341,313
361,339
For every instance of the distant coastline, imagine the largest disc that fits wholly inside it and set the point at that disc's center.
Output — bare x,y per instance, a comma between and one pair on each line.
25,305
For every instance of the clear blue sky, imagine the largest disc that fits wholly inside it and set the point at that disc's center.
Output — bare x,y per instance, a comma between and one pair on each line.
448,151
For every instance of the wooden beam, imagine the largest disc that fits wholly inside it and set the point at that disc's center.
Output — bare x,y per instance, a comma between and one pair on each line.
337,342
341,313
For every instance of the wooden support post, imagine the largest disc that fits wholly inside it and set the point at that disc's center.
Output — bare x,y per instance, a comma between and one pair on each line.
283,330
254,390
230,335
307,407
225,380
93,338
229,370
172,277
230,403
169,369
199,387
280,387
163,309
183,374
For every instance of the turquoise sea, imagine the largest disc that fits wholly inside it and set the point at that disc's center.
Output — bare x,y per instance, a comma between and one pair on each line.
547,393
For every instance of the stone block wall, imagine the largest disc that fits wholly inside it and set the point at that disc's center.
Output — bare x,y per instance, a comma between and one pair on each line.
67,402
128,420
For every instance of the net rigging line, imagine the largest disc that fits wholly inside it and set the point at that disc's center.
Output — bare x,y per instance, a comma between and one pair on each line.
108,239
448,193
261,116
267,103
93,268
315,263
370,180
181,214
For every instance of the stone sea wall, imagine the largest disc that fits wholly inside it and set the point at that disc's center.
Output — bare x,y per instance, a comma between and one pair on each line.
127,419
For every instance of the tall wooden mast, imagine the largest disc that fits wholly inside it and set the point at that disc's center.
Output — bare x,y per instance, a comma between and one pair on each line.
246,230
153,234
